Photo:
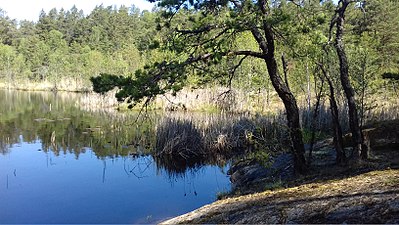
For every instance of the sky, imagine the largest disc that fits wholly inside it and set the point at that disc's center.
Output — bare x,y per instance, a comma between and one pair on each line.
30,9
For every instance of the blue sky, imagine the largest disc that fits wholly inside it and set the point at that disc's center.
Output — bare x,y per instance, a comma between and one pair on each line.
30,9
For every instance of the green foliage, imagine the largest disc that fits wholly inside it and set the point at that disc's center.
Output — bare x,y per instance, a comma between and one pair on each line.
106,82
274,185
207,41
307,135
7,29
260,156
67,44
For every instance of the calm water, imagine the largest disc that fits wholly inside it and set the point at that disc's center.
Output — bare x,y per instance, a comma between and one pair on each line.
59,164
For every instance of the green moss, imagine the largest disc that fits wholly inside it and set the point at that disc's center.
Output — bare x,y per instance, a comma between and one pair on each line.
222,195
273,186
261,156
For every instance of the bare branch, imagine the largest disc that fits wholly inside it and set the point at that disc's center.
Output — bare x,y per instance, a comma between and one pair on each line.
143,108
177,8
232,74
285,70
236,3
263,6
295,3
269,38
212,38
332,24
249,53
197,31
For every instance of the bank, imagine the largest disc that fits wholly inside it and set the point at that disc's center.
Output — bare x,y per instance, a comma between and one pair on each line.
367,192
372,197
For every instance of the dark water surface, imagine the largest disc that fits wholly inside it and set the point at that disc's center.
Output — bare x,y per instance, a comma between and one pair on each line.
59,164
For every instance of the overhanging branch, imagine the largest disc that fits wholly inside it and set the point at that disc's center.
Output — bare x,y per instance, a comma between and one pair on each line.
197,31
249,53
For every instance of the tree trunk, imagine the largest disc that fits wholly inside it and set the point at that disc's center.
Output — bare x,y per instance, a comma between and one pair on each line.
314,119
292,111
338,140
309,93
348,89
267,45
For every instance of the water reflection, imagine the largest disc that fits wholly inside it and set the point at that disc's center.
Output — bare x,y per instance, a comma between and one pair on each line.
60,164
54,119
57,122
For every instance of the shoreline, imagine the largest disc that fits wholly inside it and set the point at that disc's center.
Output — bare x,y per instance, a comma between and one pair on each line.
208,99
371,197
367,192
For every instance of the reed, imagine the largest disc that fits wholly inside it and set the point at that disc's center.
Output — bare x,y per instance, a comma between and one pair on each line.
212,135
62,84
191,135
179,138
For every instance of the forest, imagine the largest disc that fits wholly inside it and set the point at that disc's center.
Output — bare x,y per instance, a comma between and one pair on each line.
66,47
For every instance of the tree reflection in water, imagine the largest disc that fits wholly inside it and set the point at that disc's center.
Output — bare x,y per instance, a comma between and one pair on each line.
57,122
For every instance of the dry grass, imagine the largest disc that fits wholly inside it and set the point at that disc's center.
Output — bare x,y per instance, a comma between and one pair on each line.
96,102
187,141
200,136
204,134
63,84
179,138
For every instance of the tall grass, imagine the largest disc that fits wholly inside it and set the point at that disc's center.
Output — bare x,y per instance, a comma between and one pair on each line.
62,84
203,135
377,108
179,138
186,141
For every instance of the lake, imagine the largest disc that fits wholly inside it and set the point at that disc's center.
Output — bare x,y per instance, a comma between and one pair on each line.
62,164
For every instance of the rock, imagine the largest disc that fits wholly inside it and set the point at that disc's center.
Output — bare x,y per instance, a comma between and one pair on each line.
246,174
379,135
364,198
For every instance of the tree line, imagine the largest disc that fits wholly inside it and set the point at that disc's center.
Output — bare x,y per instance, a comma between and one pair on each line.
66,44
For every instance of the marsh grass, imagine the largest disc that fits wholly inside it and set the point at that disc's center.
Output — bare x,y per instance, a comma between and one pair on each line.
62,84
193,139
218,100
179,137
213,138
